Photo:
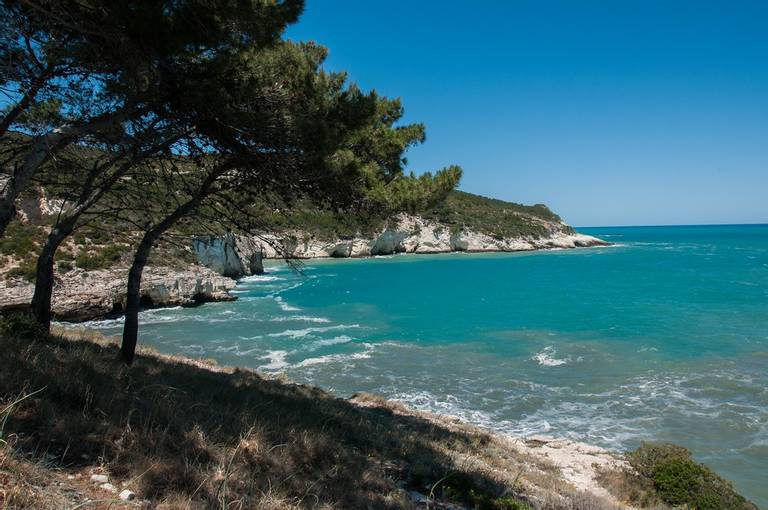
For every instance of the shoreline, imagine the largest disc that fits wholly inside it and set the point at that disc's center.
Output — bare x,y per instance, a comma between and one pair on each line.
81,296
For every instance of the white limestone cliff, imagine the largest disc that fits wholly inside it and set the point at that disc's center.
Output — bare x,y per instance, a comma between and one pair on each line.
405,234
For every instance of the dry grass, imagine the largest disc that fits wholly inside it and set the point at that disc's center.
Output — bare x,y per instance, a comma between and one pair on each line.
186,434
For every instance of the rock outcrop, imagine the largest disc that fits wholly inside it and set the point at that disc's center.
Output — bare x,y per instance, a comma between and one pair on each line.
229,255
83,295
405,234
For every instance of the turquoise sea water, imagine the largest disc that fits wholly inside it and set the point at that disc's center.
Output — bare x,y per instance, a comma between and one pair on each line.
663,336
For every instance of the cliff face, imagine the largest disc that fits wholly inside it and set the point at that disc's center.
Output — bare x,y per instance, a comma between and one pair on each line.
229,255
238,255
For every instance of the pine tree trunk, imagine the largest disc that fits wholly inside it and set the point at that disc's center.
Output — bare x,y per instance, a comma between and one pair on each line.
7,213
133,292
133,297
44,280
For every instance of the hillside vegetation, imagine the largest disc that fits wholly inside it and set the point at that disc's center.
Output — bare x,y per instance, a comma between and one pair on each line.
108,243
458,211
495,217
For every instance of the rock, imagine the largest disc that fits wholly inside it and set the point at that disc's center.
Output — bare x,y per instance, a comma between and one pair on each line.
127,495
37,205
388,242
84,295
229,255
99,478
256,263
219,254
108,487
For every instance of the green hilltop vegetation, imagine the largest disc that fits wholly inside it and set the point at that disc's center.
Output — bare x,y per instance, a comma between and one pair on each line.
458,211
493,216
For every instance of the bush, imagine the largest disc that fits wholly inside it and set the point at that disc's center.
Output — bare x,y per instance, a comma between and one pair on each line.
64,265
645,459
26,269
678,480
20,325
107,257
21,240
496,218
463,487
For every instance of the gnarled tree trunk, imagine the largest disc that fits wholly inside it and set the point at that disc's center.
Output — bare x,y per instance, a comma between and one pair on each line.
133,291
44,278
133,296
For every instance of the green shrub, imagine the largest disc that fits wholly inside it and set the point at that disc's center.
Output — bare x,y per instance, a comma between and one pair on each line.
26,269
21,240
107,257
459,210
463,487
64,265
678,480
20,325
646,458
496,218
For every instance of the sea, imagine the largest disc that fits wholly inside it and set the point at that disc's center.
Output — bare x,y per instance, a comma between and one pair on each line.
662,336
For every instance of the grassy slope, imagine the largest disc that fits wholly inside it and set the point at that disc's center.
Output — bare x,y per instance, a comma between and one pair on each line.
190,435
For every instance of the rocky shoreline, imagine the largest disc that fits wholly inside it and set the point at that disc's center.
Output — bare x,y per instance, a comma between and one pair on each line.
86,295
236,255
81,295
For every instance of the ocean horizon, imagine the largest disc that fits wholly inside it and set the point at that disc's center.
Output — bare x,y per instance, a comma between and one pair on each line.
661,337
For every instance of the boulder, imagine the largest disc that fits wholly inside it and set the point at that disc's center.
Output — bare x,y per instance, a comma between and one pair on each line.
127,495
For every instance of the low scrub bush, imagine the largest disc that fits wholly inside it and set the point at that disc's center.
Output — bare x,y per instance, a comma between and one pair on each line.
26,269
21,240
667,474
107,257
20,325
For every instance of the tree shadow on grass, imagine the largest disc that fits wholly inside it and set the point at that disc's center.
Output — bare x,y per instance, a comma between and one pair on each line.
207,437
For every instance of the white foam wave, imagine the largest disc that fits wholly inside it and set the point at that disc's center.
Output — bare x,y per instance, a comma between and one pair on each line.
146,317
341,339
286,289
285,306
300,318
262,278
276,360
546,358
301,333
333,358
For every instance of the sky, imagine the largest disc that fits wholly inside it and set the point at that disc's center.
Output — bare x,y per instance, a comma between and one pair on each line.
611,112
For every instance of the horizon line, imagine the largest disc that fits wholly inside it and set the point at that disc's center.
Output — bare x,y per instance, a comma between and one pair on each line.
675,225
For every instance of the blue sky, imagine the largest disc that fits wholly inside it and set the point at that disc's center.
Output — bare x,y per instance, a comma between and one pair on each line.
611,112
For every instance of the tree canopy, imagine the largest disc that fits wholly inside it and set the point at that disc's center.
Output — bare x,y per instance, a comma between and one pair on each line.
190,105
